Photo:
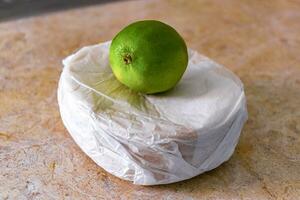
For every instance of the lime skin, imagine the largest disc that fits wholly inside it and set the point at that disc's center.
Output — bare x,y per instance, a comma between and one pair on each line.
148,56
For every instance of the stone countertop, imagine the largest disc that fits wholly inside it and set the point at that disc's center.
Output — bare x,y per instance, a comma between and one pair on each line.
258,40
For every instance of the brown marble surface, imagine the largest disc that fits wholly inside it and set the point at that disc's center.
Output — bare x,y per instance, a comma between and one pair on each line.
258,40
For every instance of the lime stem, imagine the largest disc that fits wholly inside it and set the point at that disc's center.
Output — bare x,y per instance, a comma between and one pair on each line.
127,59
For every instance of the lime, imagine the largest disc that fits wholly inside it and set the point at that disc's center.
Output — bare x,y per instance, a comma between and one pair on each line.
148,56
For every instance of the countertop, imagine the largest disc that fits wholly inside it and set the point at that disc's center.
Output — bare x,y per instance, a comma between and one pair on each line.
257,40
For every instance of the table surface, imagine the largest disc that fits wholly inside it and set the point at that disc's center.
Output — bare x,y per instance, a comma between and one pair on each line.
258,40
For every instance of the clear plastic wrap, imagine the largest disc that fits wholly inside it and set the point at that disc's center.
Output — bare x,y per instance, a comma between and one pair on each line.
151,139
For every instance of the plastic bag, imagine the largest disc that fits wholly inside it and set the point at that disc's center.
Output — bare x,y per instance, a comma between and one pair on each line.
151,139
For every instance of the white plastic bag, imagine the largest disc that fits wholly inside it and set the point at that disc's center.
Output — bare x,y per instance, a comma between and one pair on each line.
151,139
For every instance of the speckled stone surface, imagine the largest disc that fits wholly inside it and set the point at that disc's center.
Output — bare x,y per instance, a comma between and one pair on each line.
258,40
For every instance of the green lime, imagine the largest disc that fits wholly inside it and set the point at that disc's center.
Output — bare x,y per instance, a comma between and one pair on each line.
148,56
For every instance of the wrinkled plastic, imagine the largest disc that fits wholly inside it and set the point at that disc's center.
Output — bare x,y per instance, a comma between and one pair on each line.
151,139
